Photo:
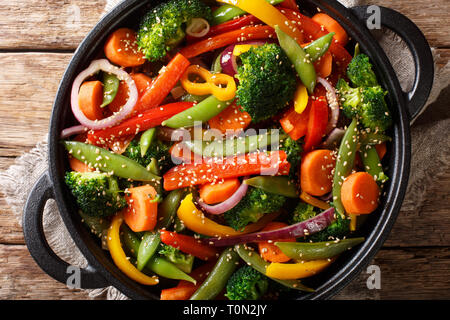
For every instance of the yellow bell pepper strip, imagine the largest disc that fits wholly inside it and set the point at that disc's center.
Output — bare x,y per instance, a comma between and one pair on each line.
241,48
119,257
220,85
314,201
286,271
196,221
268,14
353,222
301,99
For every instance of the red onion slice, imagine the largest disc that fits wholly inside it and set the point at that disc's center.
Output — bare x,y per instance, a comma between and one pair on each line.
226,205
332,102
106,66
301,229
68,132
198,28
334,138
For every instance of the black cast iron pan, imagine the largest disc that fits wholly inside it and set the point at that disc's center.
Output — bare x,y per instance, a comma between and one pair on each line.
101,270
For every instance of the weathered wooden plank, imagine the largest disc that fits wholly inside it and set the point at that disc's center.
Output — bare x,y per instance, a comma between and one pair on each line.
57,25
405,274
410,273
49,24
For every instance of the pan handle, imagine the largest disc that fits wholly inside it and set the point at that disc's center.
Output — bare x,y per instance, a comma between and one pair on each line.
38,246
420,49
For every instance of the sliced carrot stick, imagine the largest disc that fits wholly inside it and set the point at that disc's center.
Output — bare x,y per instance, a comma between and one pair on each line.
268,250
142,209
142,81
324,65
218,192
181,154
232,118
360,193
163,84
315,172
90,98
121,48
332,26
79,166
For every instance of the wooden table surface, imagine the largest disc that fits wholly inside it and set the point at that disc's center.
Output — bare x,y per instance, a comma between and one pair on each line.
36,43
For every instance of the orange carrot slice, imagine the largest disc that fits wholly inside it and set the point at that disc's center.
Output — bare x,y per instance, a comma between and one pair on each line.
90,98
218,192
121,48
315,172
268,250
142,209
332,26
232,118
360,193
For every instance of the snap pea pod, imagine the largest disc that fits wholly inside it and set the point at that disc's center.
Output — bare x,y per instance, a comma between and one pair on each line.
218,277
178,225
235,146
146,140
319,47
109,162
156,264
372,163
201,112
344,163
166,213
302,64
253,259
307,251
373,138
228,12
147,248
110,88
277,184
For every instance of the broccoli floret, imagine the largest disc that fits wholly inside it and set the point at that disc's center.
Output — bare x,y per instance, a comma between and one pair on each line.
157,150
360,72
366,103
174,255
337,230
293,151
302,212
267,81
97,194
163,28
252,207
247,284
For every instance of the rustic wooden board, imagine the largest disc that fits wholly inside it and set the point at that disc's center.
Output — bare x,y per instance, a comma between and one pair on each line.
401,270
56,27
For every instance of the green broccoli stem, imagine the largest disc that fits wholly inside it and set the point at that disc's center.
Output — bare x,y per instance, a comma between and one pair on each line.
372,163
344,163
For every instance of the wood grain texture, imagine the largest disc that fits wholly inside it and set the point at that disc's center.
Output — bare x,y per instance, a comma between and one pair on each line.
47,24
61,25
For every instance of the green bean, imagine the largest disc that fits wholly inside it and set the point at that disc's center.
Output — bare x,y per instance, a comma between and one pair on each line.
254,260
373,138
344,163
218,277
97,225
179,225
146,140
201,112
156,264
147,248
319,47
110,88
217,66
307,251
167,269
167,210
372,163
235,146
302,64
277,184
109,162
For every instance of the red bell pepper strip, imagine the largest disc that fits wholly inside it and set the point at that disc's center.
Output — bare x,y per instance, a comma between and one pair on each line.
225,39
189,245
296,124
185,289
211,170
163,84
317,123
228,26
148,119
